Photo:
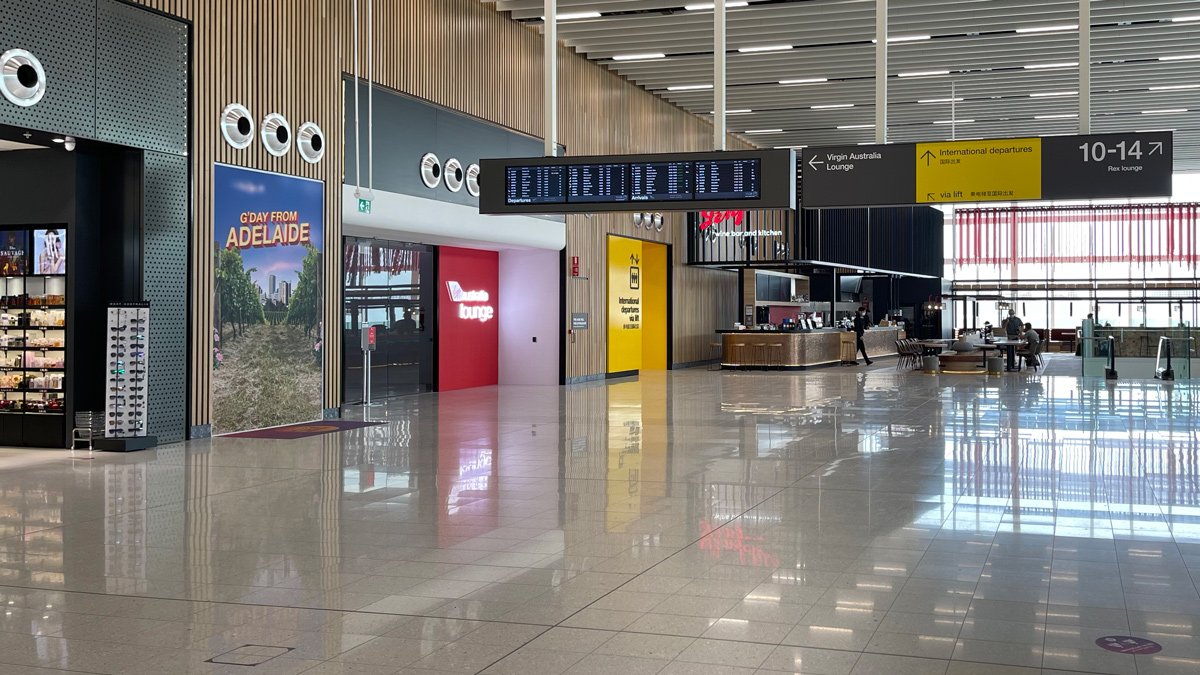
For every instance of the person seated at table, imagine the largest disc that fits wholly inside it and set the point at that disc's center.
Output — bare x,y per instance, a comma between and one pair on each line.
1032,342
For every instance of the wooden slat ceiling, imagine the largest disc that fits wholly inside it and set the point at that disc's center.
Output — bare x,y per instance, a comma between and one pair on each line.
976,41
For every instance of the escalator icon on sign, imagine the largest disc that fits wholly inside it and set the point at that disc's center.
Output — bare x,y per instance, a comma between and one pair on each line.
635,272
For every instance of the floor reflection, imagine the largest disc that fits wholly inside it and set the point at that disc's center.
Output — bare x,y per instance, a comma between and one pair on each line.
833,517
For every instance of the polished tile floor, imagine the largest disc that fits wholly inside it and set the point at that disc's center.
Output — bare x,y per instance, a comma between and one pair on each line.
836,522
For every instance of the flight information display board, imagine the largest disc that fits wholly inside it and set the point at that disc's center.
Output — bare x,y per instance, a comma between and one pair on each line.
535,185
661,181
763,179
728,179
597,183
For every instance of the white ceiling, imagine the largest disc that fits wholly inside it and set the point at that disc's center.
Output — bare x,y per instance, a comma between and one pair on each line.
975,40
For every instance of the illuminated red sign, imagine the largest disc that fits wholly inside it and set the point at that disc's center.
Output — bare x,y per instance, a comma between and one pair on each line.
710,218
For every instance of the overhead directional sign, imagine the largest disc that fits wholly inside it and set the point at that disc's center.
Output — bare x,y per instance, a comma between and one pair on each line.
979,171
1015,169
845,174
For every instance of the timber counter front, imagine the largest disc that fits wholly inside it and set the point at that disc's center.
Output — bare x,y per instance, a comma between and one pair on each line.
792,350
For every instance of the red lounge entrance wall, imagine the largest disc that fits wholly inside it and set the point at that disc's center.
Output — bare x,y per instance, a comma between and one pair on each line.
468,349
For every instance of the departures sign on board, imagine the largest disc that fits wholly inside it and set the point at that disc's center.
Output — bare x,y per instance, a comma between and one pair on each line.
1011,169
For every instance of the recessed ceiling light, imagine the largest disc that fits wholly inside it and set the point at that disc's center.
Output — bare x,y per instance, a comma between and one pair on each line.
1050,29
1181,57
1043,66
764,131
924,73
954,121
807,80
571,16
1153,131
1051,94
59,140
1165,111
765,48
1056,117
690,87
790,147
956,99
857,126
1180,19
638,57
1175,87
832,106
700,7
739,111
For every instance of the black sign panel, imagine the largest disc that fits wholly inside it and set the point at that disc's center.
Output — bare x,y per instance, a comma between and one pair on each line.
597,183
691,181
859,175
661,181
1107,166
535,185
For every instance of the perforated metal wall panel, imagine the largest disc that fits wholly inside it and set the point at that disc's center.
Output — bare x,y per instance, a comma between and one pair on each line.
142,104
60,33
165,285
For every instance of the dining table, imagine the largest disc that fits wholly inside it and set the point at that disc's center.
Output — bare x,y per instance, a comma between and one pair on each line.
1010,351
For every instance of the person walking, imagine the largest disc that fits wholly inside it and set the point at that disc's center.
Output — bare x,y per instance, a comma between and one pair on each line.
861,324
1013,325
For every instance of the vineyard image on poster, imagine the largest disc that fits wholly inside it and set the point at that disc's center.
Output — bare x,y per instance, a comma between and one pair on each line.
50,251
267,332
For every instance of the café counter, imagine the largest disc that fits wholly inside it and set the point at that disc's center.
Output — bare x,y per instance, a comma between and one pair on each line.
797,350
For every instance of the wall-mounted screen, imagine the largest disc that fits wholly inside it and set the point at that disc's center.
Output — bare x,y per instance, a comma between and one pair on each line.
50,251
14,253
755,179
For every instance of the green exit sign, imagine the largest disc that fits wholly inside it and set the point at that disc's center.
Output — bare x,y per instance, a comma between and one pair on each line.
364,206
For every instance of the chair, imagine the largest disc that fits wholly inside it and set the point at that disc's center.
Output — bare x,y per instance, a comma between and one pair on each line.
1033,358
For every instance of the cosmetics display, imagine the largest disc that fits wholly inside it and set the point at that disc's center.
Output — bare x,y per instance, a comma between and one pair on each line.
127,358
33,317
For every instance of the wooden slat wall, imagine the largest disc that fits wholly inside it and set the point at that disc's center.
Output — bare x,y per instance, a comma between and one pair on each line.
288,56
270,56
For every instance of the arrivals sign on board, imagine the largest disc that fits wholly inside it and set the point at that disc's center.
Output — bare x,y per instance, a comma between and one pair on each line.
1013,169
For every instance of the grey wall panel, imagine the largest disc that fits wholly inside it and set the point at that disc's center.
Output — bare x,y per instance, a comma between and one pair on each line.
407,128
165,286
61,34
142,105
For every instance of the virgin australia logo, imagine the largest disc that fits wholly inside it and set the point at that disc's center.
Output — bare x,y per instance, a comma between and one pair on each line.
481,313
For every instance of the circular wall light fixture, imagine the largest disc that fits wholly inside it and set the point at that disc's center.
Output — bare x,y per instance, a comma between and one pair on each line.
22,78
473,180
431,170
658,221
237,126
276,134
454,175
311,142
637,220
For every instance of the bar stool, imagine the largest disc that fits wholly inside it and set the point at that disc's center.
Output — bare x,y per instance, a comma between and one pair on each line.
775,355
715,362
760,355
848,349
737,355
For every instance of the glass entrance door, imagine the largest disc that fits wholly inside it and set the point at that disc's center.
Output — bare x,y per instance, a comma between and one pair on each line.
392,286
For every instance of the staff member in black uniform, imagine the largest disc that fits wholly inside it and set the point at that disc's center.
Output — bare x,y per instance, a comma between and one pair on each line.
861,324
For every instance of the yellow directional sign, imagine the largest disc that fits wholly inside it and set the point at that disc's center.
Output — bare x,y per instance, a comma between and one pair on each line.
979,171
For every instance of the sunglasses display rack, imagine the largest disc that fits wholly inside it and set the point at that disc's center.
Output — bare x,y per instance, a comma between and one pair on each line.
127,361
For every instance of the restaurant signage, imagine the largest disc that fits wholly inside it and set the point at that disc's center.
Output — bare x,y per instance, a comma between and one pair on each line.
1016,169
